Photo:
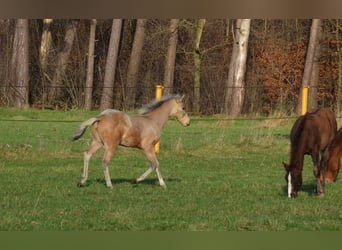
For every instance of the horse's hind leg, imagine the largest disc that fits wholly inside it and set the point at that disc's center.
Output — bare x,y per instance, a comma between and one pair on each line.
87,155
317,172
106,158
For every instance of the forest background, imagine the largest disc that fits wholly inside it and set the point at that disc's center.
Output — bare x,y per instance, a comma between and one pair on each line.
98,64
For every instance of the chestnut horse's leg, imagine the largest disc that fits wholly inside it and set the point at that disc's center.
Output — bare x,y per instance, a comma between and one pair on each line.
317,172
151,156
87,155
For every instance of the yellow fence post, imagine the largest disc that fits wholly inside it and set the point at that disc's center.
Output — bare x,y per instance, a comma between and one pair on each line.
159,94
305,94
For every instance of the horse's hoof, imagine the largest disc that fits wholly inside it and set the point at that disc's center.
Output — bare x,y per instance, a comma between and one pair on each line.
320,194
80,184
134,181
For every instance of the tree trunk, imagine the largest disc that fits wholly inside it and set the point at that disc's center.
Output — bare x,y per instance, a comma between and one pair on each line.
13,67
230,81
45,45
134,63
239,69
44,52
90,67
339,63
171,56
20,64
108,84
310,55
197,63
62,61
315,71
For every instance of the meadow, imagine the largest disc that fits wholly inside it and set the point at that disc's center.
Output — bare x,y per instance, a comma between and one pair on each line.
221,175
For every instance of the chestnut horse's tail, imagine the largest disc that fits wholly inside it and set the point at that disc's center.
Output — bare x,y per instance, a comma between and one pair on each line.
80,131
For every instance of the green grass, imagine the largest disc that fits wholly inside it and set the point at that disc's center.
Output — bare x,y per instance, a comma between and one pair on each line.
221,175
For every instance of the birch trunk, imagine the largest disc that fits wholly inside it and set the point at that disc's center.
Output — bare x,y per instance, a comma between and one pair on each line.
239,70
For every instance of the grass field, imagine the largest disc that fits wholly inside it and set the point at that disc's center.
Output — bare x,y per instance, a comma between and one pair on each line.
222,175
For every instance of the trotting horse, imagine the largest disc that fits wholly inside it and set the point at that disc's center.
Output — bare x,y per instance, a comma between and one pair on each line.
331,159
112,128
310,134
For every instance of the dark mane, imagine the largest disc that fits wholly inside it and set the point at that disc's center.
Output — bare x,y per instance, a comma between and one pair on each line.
297,130
157,103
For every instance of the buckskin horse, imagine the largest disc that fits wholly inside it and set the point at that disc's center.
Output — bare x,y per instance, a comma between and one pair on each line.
310,134
112,128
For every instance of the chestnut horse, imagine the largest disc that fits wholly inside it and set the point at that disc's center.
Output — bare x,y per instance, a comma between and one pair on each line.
310,134
331,159
112,128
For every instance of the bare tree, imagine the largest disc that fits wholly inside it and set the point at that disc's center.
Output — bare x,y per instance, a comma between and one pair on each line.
20,64
230,80
62,60
90,66
310,56
45,47
134,63
238,68
45,44
108,84
197,62
171,56
339,65
315,70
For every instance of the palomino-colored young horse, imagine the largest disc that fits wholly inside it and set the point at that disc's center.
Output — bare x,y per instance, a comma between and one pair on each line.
331,162
112,128
310,134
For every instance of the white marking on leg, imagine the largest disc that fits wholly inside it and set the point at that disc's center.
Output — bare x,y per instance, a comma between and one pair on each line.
289,185
160,178
147,173
85,168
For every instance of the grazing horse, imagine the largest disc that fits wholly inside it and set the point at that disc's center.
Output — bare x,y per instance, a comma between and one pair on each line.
331,159
310,134
112,128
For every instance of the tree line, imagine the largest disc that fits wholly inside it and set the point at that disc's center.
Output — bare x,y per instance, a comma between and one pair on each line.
223,66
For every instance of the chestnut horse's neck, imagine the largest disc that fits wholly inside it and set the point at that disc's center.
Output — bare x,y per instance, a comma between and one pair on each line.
297,153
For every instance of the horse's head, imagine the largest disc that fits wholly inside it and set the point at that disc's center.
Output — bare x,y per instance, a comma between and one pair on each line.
178,111
293,178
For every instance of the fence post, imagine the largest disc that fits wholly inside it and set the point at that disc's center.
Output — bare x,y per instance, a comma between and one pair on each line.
159,94
305,93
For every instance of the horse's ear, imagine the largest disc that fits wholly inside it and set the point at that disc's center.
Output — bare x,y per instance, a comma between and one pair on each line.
181,98
286,166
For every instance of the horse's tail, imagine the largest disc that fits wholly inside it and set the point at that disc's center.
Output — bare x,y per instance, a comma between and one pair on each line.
80,131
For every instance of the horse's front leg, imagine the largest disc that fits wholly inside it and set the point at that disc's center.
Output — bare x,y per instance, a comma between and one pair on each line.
151,156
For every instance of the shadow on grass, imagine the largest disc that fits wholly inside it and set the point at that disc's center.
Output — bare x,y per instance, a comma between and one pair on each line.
118,181
310,189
